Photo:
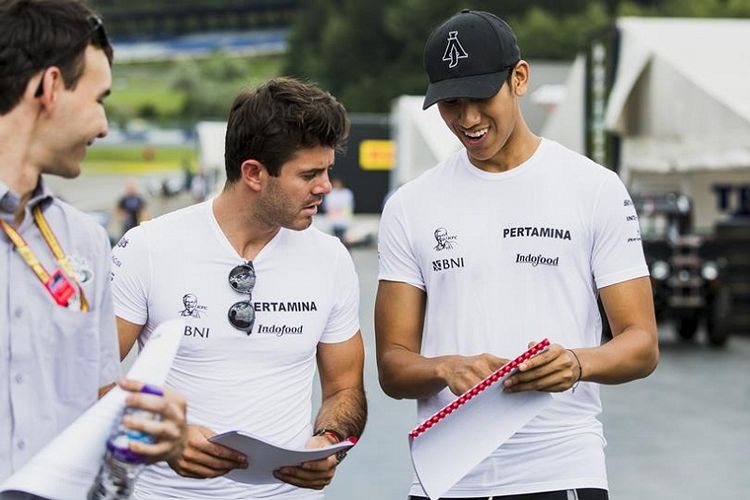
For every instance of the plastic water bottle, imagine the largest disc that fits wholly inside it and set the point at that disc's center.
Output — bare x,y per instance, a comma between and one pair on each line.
116,478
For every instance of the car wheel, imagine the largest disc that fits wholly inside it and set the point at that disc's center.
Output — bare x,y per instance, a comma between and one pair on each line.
687,327
717,327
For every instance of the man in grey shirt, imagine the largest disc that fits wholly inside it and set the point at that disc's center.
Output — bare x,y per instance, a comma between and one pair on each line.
58,343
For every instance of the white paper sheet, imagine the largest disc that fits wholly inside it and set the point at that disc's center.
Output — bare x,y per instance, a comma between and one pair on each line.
264,457
446,452
66,468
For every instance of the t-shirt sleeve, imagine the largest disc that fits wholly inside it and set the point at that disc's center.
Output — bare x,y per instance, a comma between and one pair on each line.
131,276
109,346
343,322
397,261
617,253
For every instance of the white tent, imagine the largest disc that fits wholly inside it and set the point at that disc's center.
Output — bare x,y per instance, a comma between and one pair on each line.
566,123
211,151
680,100
680,105
422,139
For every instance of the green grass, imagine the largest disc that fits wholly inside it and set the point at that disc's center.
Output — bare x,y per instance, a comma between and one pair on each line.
132,160
162,88
137,85
105,153
165,101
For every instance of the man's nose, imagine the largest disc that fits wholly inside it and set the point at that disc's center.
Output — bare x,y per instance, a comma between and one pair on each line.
469,114
104,130
324,186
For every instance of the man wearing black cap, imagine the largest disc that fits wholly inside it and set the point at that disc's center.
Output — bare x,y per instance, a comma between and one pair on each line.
537,233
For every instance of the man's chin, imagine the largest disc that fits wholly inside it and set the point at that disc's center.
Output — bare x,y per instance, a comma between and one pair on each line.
300,224
66,172
71,174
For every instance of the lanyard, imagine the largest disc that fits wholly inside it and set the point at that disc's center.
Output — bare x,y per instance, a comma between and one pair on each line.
56,284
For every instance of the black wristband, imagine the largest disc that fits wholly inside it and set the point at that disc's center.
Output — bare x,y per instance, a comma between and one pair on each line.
580,370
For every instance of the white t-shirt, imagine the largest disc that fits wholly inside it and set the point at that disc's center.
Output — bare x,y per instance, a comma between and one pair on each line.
306,292
339,206
506,258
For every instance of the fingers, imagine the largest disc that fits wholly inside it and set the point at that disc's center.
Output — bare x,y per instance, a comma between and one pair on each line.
186,448
168,435
169,430
468,371
203,459
161,450
319,442
314,475
130,385
553,370
549,383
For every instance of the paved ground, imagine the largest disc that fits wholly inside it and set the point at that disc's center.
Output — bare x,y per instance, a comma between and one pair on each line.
683,433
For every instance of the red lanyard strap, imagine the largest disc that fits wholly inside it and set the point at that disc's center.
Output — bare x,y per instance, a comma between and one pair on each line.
57,284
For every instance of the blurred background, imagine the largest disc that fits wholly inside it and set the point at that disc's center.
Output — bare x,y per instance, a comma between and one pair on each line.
654,89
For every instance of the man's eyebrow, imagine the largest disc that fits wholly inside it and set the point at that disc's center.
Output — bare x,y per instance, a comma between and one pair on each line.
317,169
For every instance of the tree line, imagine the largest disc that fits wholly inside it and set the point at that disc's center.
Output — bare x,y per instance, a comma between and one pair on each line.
368,53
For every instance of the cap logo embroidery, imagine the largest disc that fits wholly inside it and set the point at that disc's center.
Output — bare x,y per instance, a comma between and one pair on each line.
454,51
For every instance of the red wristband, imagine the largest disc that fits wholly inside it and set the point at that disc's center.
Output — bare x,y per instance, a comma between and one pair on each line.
337,437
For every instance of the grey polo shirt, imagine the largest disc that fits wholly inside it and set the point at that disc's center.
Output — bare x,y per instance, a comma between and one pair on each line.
52,359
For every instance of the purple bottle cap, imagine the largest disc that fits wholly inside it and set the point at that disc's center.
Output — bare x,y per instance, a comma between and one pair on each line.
125,454
152,389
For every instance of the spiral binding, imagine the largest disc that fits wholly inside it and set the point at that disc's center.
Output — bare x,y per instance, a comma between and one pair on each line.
484,384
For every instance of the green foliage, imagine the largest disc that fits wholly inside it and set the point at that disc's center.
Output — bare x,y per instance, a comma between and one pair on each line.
543,35
737,8
691,8
368,53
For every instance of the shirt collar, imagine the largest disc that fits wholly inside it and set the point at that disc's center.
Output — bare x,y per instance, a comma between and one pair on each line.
9,200
42,194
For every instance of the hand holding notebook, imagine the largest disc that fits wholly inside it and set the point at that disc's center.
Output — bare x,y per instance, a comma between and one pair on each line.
265,457
472,426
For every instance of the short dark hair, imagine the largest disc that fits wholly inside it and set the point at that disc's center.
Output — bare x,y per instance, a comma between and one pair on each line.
35,34
271,122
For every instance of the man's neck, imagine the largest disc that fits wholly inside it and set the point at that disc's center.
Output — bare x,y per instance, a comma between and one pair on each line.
520,146
235,212
18,170
21,183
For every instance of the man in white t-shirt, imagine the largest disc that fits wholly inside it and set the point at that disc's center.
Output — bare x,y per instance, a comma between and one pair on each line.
339,208
269,298
509,241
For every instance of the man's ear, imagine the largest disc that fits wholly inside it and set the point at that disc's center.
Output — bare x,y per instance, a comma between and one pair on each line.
51,83
520,78
253,174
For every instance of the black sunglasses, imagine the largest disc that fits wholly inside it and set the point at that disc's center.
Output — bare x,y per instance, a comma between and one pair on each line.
242,314
96,33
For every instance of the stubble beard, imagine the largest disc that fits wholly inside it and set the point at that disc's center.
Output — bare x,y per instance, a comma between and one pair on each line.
275,209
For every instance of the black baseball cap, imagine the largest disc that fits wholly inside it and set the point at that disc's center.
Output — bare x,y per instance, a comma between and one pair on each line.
469,55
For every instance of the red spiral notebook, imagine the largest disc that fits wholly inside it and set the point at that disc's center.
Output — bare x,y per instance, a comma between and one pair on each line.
456,438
